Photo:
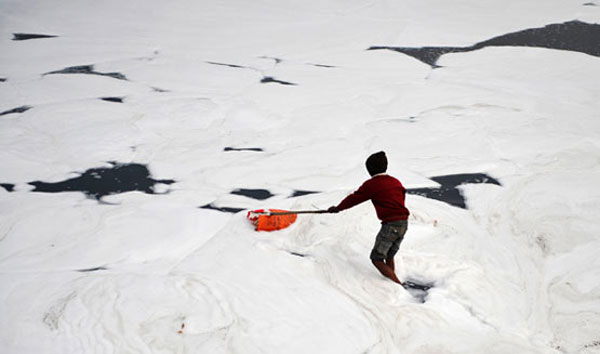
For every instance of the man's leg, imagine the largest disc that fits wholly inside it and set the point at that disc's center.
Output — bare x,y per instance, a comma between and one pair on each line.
390,263
389,259
386,246
385,270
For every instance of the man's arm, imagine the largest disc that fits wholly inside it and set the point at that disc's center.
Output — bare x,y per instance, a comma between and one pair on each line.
361,195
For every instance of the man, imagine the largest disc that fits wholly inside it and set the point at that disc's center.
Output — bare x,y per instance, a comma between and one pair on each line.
387,195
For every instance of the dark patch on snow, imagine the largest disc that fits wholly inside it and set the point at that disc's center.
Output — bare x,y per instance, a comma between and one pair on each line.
465,178
428,55
27,36
590,4
259,194
223,209
228,65
448,195
265,79
87,70
21,109
594,344
99,182
157,89
297,254
277,60
112,99
323,66
268,79
299,193
9,187
418,289
95,269
448,192
574,36
2,79
229,148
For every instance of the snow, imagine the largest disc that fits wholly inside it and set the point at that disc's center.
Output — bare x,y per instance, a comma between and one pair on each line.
515,272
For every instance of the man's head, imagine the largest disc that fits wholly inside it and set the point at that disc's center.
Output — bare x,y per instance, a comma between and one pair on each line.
377,163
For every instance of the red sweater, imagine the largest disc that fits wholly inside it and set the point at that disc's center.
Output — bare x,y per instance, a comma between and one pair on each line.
387,195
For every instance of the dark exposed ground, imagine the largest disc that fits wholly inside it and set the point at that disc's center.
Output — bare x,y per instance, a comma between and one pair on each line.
229,148
28,36
113,99
86,70
223,209
9,187
268,79
259,194
448,192
572,36
21,109
100,182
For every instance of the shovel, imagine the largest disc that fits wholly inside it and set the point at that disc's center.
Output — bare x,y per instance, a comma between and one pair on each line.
276,219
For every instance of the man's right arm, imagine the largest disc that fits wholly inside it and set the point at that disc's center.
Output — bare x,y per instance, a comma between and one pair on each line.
359,196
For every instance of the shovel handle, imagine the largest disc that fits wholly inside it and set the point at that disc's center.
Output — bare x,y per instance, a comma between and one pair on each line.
296,212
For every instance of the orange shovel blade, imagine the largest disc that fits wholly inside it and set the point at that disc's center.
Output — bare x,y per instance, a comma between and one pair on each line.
264,222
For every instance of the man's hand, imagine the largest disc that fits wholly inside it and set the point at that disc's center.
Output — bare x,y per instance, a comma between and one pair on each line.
333,209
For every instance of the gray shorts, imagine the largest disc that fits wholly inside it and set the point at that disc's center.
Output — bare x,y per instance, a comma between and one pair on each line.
388,240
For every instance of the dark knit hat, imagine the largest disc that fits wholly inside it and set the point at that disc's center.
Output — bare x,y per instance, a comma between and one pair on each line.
377,163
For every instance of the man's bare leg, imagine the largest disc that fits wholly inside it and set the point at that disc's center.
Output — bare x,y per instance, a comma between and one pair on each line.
386,271
390,263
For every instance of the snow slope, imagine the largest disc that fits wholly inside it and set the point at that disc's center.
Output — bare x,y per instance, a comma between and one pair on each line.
284,99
